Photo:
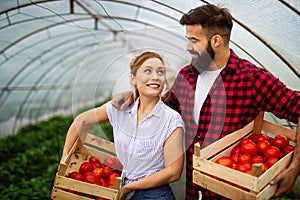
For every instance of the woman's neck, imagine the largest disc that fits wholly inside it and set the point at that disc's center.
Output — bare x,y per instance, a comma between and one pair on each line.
145,106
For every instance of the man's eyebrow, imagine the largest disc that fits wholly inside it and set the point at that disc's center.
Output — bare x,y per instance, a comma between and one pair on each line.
191,38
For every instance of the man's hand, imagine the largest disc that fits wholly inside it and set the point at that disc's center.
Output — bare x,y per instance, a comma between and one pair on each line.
122,100
287,177
285,180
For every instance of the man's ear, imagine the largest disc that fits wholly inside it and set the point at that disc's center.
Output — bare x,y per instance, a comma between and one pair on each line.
216,41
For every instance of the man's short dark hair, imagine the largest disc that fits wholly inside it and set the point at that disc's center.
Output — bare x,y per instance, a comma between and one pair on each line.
213,19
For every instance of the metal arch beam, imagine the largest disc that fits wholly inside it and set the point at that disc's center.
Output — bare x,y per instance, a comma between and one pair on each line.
64,42
68,86
290,6
66,69
131,4
25,5
20,110
292,68
45,28
60,96
278,54
2,51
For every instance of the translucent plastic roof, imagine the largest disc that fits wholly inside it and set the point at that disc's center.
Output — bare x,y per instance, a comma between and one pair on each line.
57,56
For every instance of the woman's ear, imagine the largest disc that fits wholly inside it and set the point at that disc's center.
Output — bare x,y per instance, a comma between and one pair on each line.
132,79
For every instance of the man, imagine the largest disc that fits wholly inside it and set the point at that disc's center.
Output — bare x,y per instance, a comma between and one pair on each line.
219,93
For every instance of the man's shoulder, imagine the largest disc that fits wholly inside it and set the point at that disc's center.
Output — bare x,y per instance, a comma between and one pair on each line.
185,70
241,65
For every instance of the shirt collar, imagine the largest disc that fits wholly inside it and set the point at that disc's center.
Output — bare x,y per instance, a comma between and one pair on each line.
156,111
232,64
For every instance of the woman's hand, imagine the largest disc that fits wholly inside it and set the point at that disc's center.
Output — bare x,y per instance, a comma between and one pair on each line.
123,193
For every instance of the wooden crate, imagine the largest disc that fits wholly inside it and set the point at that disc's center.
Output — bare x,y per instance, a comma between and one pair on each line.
79,153
229,182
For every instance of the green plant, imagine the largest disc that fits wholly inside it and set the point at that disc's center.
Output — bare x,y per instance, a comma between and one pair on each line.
29,159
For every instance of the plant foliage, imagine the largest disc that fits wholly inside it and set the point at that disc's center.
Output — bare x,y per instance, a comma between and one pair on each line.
30,158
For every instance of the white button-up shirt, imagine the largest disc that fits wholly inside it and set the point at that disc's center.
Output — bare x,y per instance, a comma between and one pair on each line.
139,147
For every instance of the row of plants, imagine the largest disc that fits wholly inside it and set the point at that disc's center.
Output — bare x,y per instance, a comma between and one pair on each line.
30,158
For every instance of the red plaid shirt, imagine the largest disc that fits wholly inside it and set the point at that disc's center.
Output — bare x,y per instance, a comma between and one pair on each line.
237,96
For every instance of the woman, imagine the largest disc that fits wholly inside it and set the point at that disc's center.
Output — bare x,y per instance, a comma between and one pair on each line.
147,135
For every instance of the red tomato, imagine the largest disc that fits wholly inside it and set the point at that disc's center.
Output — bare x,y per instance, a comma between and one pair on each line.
85,167
113,163
236,150
111,178
244,158
244,141
253,137
106,171
100,198
234,158
262,137
271,161
288,149
225,161
280,141
234,165
102,182
262,146
243,167
257,159
76,175
94,159
272,151
90,177
89,196
249,148
98,172
264,167
96,165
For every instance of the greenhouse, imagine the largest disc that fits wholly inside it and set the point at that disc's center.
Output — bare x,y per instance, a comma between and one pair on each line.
59,58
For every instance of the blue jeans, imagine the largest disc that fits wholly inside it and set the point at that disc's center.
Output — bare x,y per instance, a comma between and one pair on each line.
162,192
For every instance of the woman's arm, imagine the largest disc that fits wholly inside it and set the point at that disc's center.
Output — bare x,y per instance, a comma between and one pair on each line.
81,124
174,159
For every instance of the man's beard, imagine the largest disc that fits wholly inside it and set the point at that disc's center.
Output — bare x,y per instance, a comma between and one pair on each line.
203,60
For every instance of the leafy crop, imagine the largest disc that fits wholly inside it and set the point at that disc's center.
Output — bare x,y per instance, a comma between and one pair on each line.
30,158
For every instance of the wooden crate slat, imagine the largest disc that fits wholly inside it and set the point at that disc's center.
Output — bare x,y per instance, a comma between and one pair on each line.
100,142
220,187
267,192
100,154
258,122
276,129
80,186
219,145
265,178
63,195
220,171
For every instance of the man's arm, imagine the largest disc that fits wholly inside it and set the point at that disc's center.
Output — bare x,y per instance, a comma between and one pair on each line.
122,100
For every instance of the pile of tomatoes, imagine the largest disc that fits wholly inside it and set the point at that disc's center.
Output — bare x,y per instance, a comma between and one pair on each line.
95,172
257,148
